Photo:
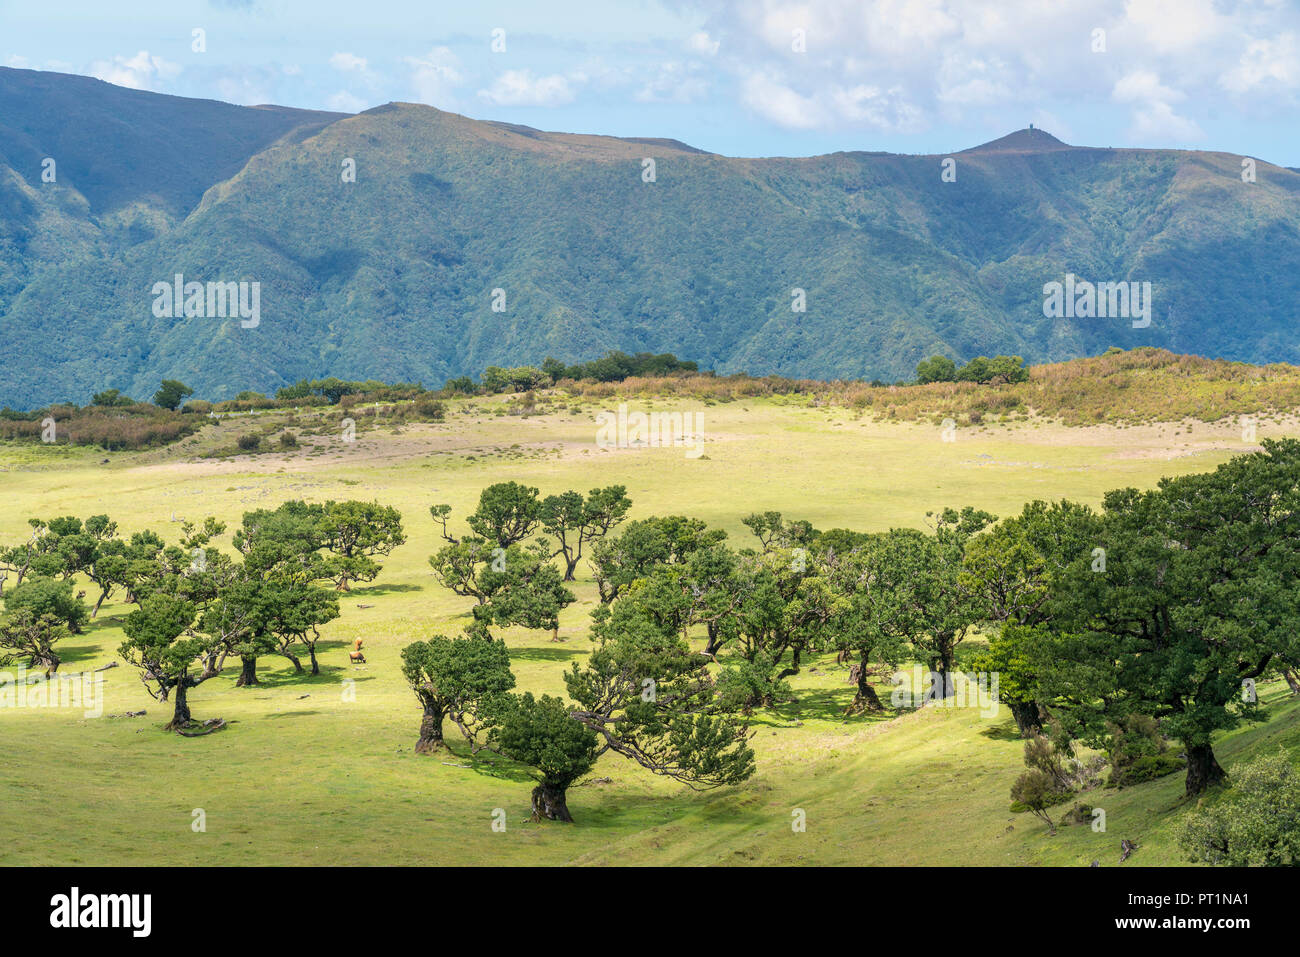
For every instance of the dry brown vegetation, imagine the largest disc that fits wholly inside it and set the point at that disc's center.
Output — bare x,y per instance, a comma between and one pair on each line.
1137,386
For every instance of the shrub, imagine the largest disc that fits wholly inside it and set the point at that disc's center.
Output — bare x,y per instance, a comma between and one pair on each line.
48,596
249,442
429,410
1257,821
936,369
461,385
288,440
1148,769
1035,791
1079,814
1138,752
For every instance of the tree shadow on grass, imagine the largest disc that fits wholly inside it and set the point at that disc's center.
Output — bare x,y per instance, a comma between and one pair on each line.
373,591
738,807
1003,731
78,655
530,653
485,762
827,704
329,677
95,625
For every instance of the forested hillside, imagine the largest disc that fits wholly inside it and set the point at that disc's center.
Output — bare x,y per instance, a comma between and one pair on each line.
463,244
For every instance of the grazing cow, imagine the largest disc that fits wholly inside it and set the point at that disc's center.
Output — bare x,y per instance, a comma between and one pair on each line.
357,657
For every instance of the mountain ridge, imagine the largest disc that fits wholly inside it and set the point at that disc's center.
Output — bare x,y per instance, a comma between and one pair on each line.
393,276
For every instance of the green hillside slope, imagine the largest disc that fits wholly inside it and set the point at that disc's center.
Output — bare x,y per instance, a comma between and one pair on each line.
392,275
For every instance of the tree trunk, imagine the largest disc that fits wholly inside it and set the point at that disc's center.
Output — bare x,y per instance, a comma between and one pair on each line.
248,674
792,669
1028,718
181,714
210,666
102,595
711,646
941,685
549,803
315,665
866,698
430,730
49,660
1290,677
297,665
555,633
1202,768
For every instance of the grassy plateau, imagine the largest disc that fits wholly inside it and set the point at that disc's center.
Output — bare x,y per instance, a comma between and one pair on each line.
322,771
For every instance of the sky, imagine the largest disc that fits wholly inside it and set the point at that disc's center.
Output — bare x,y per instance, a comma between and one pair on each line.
738,77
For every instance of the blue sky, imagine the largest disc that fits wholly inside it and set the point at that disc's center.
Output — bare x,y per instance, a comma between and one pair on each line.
751,78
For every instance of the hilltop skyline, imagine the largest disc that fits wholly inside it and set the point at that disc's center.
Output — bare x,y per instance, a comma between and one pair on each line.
788,79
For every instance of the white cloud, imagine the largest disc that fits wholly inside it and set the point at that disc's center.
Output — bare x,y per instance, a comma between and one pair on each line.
521,88
882,108
139,72
1143,85
1266,62
702,43
1175,25
970,81
1158,124
674,82
348,63
780,104
1154,120
345,102
912,64
435,77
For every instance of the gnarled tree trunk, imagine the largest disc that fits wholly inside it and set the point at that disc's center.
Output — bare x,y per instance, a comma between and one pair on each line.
1028,717
430,730
713,644
248,673
866,698
181,712
1202,768
549,803
941,683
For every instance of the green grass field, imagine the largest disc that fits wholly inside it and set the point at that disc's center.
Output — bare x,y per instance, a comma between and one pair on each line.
322,770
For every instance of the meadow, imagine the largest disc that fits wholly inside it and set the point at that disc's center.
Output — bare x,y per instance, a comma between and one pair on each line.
321,770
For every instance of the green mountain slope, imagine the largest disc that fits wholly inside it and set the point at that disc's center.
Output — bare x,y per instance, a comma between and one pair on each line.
392,276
